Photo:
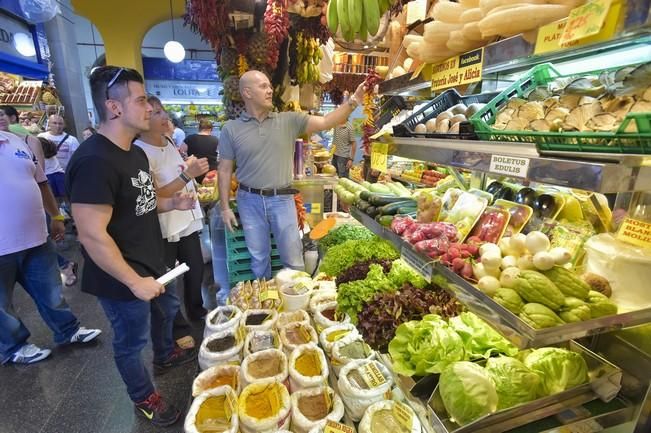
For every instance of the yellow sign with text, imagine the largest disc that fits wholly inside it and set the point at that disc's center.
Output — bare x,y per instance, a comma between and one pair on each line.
459,70
635,232
379,156
335,427
549,36
585,20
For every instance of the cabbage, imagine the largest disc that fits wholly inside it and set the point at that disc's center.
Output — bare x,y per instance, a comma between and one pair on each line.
467,391
514,382
425,346
480,339
559,369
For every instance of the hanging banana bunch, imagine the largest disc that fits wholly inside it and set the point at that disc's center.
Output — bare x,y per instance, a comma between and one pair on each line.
356,18
309,56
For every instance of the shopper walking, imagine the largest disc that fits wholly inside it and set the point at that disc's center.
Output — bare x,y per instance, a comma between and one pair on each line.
344,141
261,143
180,229
88,132
178,134
66,144
28,257
203,145
14,122
114,204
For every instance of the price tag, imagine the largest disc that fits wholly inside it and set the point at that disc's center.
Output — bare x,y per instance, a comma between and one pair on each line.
458,70
372,375
417,262
336,427
418,70
316,208
635,232
509,165
404,415
379,156
269,294
586,20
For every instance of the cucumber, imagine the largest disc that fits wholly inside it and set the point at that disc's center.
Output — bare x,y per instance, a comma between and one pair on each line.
384,220
392,208
372,211
381,199
363,205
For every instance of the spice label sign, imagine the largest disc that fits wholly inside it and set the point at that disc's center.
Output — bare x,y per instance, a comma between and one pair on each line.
414,260
458,70
585,20
509,165
269,294
404,415
379,152
635,232
372,375
336,427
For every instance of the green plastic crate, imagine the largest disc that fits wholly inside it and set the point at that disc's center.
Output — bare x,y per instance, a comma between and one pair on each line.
245,265
600,142
236,277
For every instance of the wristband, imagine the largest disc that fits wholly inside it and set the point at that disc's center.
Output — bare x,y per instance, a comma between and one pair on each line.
59,218
352,102
184,177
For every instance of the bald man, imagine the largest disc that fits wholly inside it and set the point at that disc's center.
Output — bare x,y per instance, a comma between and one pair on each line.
261,144
66,143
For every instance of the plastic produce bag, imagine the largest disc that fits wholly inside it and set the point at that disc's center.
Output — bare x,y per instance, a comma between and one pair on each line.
213,410
359,389
264,366
315,406
382,413
258,341
222,319
214,377
348,349
329,336
220,348
307,367
327,61
264,408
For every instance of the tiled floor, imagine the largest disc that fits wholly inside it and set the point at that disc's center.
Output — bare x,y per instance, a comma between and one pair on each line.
78,389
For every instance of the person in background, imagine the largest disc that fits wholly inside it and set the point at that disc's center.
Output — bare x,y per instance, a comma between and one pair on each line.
180,229
14,122
56,180
88,132
343,139
27,255
66,143
115,205
202,145
178,135
261,143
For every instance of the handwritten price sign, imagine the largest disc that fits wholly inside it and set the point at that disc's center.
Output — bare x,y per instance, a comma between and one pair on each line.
585,21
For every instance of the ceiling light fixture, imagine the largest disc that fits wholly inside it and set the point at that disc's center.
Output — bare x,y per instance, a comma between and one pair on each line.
173,49
24,44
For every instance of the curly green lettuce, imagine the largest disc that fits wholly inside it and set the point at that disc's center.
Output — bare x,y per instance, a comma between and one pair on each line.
343,256
352,296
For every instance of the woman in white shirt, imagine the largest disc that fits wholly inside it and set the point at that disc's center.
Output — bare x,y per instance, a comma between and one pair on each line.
179,228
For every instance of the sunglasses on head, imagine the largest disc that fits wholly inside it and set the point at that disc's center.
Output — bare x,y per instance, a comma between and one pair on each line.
112,82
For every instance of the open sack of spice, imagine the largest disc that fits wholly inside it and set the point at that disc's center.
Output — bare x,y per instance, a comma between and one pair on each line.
307,367
259,319
350,348
329,336
264,366
257,341
296,334
326,315
255,295
214,410
389,417
362,383
221,348
264,408
222,319
216,376
288,317
315,405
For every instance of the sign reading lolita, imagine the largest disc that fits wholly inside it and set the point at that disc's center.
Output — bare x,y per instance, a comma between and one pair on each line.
185,90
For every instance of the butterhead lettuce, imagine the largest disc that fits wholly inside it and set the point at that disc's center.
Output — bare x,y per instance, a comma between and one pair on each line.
467,391
480,339
514,382
559,369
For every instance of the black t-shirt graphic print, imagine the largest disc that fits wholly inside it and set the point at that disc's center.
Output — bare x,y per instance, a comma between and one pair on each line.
100,172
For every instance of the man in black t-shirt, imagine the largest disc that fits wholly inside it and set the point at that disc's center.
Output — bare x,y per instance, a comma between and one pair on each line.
202,145
115,207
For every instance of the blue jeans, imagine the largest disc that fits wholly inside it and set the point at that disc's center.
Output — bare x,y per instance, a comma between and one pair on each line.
37,271
219,268
130,321
261,216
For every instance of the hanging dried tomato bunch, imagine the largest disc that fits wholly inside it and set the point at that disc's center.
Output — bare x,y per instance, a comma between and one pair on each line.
372,79
209,18
276,24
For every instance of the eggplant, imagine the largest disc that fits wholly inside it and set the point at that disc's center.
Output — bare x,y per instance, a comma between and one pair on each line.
504,193
526,196
545,205
494,187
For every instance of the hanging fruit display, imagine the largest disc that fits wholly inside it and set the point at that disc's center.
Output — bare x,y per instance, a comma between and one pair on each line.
276,24
210,19
242,65
307,8
372,79
356,18
309,57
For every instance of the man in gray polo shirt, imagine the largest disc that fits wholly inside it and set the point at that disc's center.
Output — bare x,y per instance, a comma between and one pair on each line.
261,144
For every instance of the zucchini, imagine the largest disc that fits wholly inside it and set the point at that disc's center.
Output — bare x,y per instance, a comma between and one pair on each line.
363,205
384,220
365,195
372,211
392,208
382,199
407,209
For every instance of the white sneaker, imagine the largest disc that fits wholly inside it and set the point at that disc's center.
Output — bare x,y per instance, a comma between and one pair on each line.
29,354
84,335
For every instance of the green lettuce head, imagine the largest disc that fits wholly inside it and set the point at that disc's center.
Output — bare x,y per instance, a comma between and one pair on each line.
559,369
480,339
467,391
514,382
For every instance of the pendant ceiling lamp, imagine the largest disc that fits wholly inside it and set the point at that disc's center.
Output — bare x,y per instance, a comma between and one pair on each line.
174,51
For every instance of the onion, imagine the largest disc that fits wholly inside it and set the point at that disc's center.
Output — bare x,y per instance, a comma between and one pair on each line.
488,247
509,262
560,255
543,261
508,277
537,242
492,259
526,262
488,285
518,243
